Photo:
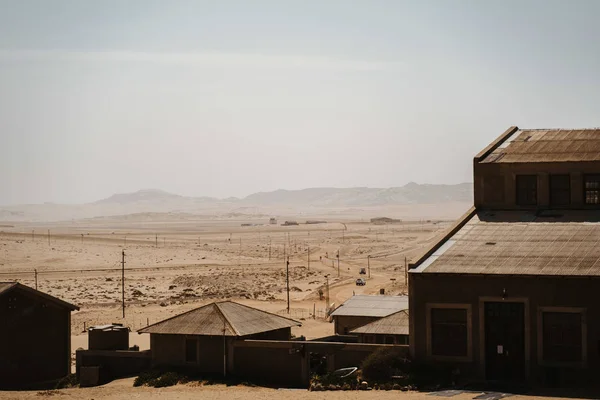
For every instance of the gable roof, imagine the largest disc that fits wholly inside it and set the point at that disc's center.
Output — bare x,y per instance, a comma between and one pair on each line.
371,306
394,324
8,287
221,318
543,145
556,243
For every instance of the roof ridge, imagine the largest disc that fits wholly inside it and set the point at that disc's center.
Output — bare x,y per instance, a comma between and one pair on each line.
174,316
47,296
266,312
225,319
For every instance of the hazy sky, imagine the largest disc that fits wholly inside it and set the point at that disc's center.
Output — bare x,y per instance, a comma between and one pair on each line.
225,98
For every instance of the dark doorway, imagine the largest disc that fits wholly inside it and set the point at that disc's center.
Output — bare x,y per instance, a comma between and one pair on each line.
505,341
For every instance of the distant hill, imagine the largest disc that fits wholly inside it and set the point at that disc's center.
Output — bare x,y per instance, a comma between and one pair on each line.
275,202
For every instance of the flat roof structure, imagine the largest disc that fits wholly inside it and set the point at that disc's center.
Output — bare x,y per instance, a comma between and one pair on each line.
371,306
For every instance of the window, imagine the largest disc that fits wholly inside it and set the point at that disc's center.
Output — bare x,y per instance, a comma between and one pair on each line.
449,336
493,189
592,189
560,190
191,350
526,190
562,337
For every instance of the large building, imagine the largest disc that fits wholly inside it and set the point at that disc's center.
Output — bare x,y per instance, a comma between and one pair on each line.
35,337
509,293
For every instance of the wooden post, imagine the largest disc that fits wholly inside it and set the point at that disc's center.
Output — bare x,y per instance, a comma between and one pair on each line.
308,258
338,259
287,282
314,310
269,248
369,264
35,274
155,240
405,272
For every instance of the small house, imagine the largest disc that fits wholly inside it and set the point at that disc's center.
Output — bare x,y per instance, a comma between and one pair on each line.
392,329
35,338
360,310
202,339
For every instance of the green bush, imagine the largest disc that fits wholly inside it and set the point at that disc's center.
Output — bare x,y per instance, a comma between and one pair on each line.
167,379
384,363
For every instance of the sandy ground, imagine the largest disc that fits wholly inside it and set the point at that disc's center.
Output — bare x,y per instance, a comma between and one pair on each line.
123,390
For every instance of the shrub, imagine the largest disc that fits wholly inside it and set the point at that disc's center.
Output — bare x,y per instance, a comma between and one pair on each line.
68,381
147,378
167,379
384,363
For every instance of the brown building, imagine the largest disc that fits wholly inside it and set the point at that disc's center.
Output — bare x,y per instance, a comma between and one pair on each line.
509,292
203,338
360,310
35,338
392,329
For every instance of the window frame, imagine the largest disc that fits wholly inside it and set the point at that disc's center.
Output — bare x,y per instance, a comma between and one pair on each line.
540,323
428,321
550,190
537,193
585,190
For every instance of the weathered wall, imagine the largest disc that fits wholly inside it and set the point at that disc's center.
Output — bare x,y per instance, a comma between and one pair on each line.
170,350
484,182
108,340
272,365
114,364
343,324
539,292
35,340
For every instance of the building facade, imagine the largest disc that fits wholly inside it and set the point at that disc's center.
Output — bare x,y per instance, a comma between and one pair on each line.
508,294
35,338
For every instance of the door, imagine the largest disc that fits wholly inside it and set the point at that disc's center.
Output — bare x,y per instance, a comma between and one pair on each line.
504,341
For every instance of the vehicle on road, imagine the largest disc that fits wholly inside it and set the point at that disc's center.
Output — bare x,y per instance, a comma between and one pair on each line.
361,282
363,271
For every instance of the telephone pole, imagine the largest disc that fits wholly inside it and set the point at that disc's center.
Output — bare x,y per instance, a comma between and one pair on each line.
35,273
269,248
405,271
155,240
338,259
327,293
308,258
123,280
369,264
287,282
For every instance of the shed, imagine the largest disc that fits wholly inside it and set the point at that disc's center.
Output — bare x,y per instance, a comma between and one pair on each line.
360,310
392,329
203,338
35,339
108,337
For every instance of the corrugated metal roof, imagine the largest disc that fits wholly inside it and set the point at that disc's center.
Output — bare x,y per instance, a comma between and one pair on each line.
559,243
395,324
6,287
372,306
221,318
543,145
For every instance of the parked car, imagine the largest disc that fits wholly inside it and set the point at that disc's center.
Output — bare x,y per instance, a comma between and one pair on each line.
363,271
361,282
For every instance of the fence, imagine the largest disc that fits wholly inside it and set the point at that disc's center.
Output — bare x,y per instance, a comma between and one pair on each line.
304,313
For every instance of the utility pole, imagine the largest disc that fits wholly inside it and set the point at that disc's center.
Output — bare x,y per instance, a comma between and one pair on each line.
338,258
123,280
287,282
82,238
35,273
155,240
405,272
269,248
308,258
369,264
327,292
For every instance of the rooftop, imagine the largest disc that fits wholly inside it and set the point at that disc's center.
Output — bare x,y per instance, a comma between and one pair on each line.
372,306
544,145
558,243
221,319
8,287
395,324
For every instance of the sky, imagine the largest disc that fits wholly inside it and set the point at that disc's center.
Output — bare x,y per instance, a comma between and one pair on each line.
226,98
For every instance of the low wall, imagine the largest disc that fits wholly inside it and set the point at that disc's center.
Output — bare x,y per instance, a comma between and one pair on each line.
287,362
114,364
